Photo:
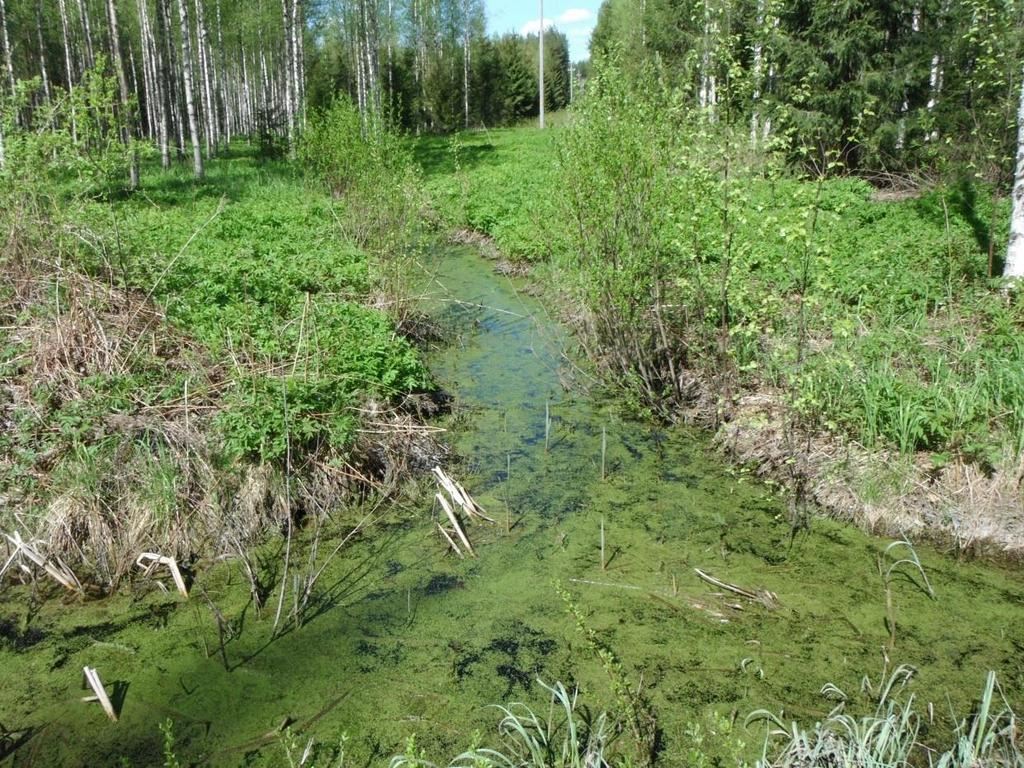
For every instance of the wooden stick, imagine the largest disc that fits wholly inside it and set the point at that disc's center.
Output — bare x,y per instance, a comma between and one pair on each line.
56,569
766,598
604,449
603,584
450,540
153,559
604,563
93,679
455,523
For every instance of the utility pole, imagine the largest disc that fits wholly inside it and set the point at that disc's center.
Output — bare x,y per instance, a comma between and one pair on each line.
542,64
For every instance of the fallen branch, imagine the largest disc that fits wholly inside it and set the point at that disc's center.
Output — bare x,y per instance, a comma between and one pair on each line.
100,693
54,567
459,496
450,540
768,599
455,523
148,561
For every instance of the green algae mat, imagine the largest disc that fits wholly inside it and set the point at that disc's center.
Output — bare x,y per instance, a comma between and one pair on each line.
408,640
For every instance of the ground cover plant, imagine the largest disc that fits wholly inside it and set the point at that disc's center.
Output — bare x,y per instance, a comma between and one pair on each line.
170,353
717,284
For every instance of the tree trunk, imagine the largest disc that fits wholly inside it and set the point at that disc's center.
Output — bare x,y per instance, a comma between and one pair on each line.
755,116
391,57
6,40
69,67
83,14
190,106
221,79
298,64
42,52
122,82
170,76
1014,267
934,89
289,104
159,82
203,50
465,62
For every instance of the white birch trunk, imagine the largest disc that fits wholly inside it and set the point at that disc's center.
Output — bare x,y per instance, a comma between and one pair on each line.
755,116
1014,267
69,67
42,52
934,89
190,106
540,82
222,84
465,62
83,14
391,57
289,105
122,82
298,61
203,48
159,84
6,40
171,77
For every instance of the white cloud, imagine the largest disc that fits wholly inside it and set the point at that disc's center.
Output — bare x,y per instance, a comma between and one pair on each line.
575,15
532,27
569,17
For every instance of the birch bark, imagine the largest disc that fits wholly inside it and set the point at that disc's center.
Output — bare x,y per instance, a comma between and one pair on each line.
122,83
190,107
1014,267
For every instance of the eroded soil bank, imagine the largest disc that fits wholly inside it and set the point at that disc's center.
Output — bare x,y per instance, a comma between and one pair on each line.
409,640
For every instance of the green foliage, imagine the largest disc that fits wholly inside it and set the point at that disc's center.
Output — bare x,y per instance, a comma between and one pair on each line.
714,743
569,736
889,736
266,281
170,759
883,86
363,162
685,255
74,142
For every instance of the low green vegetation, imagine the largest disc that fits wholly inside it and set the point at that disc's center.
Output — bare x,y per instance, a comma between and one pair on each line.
162,347
568,735
698,274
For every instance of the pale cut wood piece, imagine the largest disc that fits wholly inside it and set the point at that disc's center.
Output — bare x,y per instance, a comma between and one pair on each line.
93,679
455,523
450,541
153,559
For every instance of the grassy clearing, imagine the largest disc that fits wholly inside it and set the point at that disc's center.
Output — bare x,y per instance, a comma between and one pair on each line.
167,354
870,326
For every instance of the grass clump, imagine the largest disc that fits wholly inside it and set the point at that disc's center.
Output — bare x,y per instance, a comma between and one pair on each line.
171,355
891,736
704,276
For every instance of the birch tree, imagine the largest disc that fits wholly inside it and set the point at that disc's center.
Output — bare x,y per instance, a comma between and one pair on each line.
1014,267
5,40
122,81
190,106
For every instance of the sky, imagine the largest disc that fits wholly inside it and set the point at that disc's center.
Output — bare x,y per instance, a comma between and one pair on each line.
576,18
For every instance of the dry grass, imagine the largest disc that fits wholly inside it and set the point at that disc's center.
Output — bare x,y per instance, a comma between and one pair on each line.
958,503
148,473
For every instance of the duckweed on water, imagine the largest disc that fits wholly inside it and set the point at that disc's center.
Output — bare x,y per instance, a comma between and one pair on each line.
408,641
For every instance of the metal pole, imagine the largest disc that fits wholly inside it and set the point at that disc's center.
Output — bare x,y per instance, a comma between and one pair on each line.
541,64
